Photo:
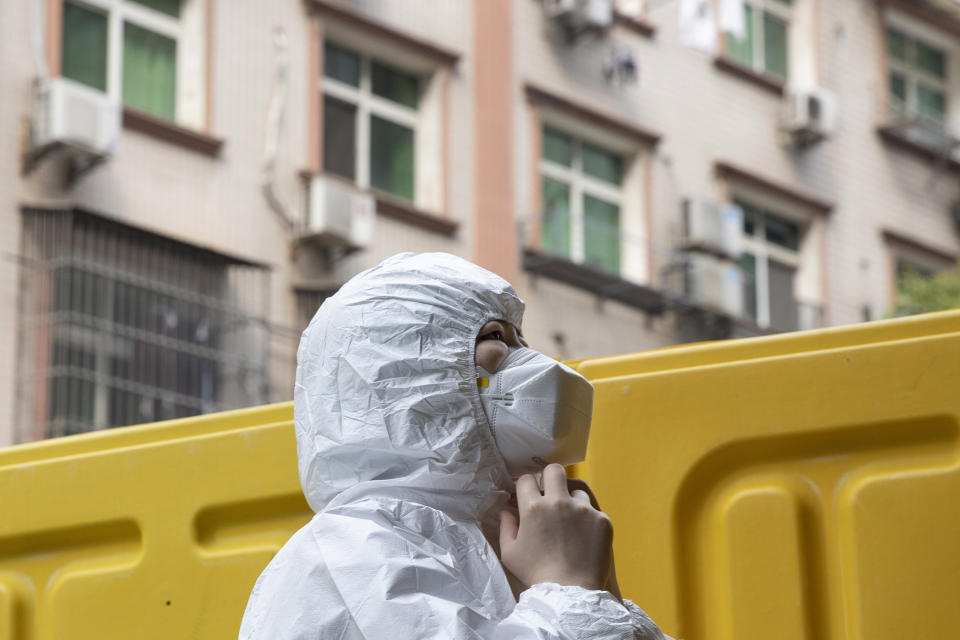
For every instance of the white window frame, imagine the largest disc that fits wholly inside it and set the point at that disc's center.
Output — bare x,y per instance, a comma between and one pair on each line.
912,75
368,104
582,184
189,95
933,37
778,9
763,251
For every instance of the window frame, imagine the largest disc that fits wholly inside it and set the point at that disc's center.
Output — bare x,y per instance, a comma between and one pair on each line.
582,184
368,104
903,248
763,251
119,12
758,56
913,74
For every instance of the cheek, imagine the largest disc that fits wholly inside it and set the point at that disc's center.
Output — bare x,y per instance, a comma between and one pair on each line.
490,354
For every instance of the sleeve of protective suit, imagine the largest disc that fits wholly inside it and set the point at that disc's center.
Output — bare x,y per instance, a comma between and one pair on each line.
403,570
553,611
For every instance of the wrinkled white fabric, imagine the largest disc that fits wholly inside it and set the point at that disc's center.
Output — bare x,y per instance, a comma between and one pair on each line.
398,462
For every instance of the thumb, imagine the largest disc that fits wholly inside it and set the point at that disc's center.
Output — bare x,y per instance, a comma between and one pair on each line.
509,526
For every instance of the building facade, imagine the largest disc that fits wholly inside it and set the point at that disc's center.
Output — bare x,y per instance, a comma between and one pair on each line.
644,173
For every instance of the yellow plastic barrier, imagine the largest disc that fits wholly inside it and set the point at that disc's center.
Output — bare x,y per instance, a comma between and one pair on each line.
799,486
804,486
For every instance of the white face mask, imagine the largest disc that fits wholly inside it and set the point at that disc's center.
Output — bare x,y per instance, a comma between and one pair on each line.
539,411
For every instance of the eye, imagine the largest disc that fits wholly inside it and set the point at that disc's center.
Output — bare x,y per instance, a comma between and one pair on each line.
493,335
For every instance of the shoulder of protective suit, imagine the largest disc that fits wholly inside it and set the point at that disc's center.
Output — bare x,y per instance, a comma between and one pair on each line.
295,596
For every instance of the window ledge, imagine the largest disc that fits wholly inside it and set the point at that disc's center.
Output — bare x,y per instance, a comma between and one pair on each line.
393,207
763,80
405,212
173,133
593,280
585,112
342,12
637,25
899,138
802,198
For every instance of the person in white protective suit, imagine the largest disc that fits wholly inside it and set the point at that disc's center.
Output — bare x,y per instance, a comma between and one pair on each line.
416,404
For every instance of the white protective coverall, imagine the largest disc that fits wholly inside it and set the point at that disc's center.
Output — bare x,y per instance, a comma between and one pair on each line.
397,461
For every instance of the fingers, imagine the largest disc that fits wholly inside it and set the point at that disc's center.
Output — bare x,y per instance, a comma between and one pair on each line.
527,490
581,497
509,526
555,481
576,483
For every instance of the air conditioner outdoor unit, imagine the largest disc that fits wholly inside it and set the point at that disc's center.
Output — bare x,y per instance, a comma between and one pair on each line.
581,15
339,214
711,227
714,284
73,116
809,115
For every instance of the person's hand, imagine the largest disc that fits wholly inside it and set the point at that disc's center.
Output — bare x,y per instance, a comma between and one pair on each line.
560,537
574,484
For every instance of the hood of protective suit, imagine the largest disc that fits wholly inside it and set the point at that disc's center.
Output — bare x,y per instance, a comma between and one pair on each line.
386,402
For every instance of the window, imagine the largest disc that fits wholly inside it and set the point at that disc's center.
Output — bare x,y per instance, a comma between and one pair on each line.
581,197
764,46
918,85
132,50
912,259
120,327
308,301
769,263
370,121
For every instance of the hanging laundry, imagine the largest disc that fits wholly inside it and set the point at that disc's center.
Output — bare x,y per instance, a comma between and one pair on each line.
732,18
697,26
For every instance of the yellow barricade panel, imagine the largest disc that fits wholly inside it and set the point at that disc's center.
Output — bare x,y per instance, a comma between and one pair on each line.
801,486
145,532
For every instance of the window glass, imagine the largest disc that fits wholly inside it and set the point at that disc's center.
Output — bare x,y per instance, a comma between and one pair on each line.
601,163
898,91
84,51
555,231
749,218
601,234
169,7
391,157
748,265
339,146
931,60
784,313
557,147
897,45
906,268
149,71
775,45
781,232
931,103
742,50
394,85
341,64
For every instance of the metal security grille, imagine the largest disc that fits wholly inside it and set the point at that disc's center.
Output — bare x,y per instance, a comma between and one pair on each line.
120,326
